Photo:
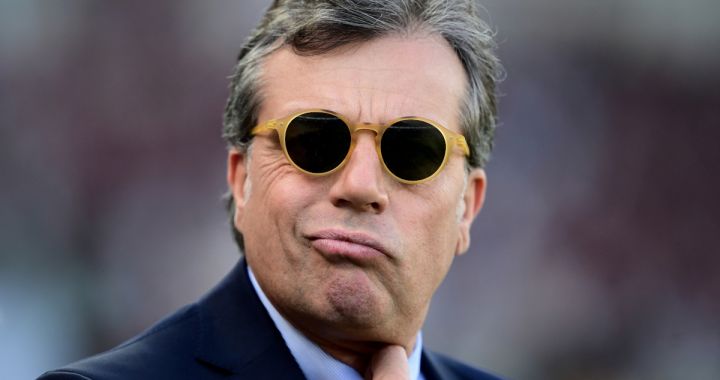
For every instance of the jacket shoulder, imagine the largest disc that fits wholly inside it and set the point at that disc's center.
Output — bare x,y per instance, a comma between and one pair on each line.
162,351
445,367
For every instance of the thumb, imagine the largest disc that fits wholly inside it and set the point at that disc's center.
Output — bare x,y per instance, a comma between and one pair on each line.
389,363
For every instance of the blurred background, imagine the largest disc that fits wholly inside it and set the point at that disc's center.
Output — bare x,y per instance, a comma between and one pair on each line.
596,256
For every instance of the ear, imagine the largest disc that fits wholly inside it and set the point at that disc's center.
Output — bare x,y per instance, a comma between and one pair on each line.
236,178
473,200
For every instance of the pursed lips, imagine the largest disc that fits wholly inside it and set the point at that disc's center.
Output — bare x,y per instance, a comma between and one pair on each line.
335,243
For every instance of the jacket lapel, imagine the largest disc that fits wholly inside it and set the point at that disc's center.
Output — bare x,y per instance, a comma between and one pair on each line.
237,336
433,368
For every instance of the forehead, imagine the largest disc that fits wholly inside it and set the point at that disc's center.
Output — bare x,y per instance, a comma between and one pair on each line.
374,81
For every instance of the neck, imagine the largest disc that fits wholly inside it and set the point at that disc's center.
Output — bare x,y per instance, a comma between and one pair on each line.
355,348
356,354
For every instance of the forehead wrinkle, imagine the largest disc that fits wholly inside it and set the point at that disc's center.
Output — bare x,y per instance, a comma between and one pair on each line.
388,98
379,107
362,91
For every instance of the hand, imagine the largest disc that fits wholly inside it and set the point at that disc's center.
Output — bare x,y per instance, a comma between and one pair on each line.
390,363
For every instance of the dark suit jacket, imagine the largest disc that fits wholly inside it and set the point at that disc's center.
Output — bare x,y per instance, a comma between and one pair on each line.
228,334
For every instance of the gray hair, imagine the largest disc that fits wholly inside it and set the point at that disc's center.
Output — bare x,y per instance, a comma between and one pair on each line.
315,27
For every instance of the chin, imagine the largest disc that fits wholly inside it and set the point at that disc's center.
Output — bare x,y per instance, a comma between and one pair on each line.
355,300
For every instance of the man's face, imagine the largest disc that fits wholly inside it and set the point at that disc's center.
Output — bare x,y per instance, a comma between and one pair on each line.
355,255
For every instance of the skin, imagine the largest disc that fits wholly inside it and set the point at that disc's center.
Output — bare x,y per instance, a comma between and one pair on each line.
359,303
390,363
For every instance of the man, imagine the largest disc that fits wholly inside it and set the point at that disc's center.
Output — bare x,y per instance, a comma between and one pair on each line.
357,132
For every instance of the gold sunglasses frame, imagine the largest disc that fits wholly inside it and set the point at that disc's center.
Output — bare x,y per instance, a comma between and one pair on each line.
452,140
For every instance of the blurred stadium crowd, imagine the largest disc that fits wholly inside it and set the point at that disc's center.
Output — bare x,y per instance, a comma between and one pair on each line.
597,255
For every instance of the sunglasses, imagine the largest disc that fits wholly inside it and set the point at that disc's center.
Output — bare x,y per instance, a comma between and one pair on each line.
411,149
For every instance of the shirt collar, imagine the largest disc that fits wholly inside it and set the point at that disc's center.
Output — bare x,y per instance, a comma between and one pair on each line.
315,363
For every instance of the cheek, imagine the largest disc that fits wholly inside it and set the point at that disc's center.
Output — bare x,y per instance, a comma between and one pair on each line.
268,204
432,232
276,197
271,247
436,214
266,175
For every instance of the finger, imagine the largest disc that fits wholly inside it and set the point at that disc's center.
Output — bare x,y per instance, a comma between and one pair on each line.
390,363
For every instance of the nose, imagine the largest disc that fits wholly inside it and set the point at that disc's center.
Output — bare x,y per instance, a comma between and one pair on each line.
360,184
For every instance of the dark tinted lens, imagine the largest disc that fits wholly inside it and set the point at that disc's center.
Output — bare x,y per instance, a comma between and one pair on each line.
317,141
413,149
